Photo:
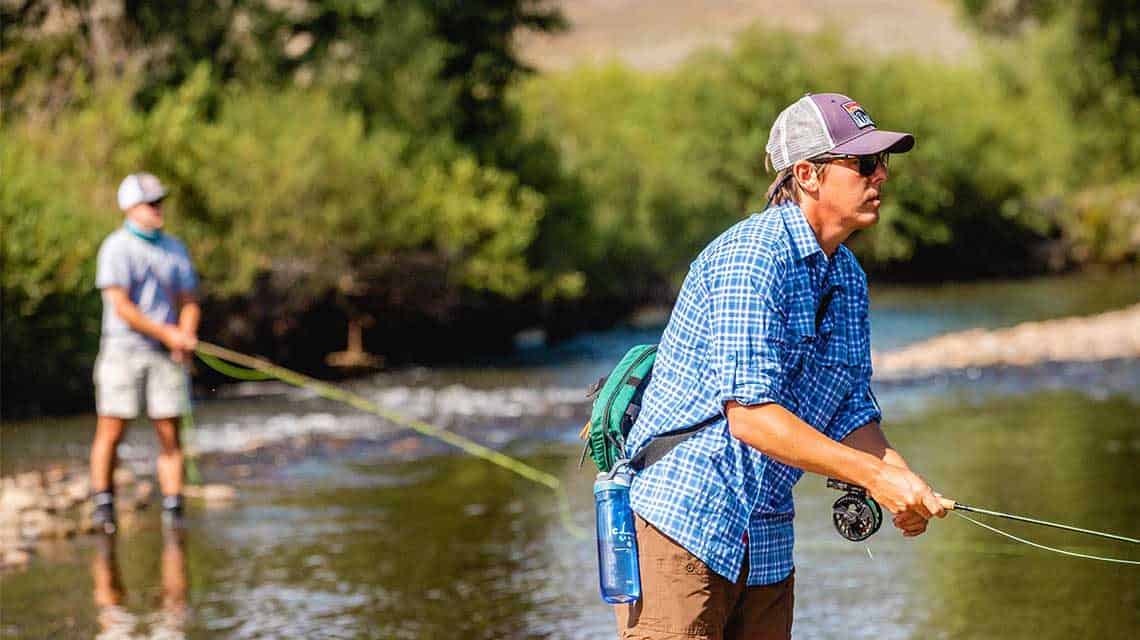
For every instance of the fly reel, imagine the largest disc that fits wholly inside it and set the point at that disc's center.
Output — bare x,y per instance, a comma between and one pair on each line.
855,514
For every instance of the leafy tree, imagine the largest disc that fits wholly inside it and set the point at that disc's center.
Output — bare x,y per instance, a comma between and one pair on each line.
1005,147
1110,25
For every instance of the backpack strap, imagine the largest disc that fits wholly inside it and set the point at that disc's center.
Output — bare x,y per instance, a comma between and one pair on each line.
658,446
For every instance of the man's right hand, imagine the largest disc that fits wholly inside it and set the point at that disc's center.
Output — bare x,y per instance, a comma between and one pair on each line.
899,490
782,435
178,341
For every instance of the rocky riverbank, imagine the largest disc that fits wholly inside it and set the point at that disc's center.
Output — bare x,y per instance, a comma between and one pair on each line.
55,504
1107,336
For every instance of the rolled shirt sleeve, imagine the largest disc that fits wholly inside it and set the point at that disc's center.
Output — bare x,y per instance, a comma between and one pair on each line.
747,333
857,409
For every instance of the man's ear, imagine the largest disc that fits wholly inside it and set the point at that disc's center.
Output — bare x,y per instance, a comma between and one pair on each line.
804,174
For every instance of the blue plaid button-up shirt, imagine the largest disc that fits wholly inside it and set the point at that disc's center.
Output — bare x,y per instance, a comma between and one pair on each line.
745,328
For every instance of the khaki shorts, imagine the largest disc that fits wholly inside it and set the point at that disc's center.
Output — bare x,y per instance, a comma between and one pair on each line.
123,378
681,598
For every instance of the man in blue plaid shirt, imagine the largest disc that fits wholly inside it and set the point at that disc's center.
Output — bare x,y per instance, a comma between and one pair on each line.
769,342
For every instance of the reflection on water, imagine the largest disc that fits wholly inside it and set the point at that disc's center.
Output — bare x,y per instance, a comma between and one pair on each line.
452,547
116,621
1056,456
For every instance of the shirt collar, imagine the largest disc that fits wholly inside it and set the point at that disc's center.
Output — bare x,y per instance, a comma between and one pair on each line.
803,238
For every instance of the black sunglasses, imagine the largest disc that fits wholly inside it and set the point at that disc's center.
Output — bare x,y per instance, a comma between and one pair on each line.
867,164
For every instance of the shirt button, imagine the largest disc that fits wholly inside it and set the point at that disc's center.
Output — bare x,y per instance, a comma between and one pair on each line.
689,568
732,357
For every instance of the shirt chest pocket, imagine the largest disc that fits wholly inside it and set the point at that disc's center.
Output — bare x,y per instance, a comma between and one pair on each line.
820,367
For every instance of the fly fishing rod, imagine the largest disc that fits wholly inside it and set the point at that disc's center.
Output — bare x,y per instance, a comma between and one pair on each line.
857,517
953,505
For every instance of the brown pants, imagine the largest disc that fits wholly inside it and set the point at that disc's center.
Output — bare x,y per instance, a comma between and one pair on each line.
681,598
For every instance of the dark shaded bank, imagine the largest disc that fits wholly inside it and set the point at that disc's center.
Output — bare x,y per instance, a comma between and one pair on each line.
469,330
477,330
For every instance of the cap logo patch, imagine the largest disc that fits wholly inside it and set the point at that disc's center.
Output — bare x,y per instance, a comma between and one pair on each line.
858,116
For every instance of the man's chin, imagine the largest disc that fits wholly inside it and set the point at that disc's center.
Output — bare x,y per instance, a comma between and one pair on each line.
867,217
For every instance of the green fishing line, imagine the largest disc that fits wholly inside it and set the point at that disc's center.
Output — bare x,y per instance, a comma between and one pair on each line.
239,373
252,369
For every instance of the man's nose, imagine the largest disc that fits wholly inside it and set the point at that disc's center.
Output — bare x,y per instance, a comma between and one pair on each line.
881,174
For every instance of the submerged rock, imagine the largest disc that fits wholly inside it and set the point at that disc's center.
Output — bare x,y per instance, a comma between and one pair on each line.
55,505
14,559
124,476
15,500
211,494
55,475
30,480
144,490
79,488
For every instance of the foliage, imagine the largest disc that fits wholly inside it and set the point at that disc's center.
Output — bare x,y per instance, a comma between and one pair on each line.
1003,146
1105,223
50,322
453,59
1110,28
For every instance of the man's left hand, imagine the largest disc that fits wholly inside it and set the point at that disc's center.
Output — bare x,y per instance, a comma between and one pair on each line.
183,353
910,523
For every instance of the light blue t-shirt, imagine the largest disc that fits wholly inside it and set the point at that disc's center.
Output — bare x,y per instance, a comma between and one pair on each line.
153,273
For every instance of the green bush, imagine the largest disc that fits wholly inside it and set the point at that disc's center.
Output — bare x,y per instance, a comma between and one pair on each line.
261,182
1005,145
50,320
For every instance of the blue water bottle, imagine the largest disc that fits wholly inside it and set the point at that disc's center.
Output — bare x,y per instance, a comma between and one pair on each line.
618,570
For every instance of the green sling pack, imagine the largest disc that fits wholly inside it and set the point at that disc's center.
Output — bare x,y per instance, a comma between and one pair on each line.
617,401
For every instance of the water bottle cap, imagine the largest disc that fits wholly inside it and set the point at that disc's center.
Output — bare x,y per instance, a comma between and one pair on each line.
622,478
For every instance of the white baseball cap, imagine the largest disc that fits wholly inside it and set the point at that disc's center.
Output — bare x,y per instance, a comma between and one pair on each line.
138,188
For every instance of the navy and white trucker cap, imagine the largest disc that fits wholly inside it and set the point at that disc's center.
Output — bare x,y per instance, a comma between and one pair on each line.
828,123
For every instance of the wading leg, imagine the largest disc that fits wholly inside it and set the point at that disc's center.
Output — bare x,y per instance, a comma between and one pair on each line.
108,432
170,456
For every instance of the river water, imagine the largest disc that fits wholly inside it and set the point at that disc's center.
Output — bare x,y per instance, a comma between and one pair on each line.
348,527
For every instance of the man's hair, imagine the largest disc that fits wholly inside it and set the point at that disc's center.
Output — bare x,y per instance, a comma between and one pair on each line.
784,188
